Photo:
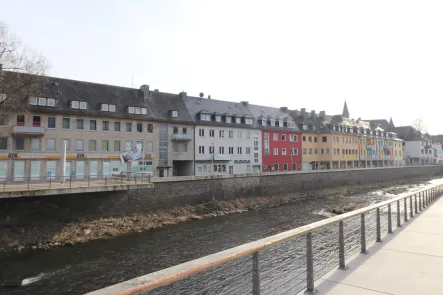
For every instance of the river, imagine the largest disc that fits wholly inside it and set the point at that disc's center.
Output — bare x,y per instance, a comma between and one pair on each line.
82,268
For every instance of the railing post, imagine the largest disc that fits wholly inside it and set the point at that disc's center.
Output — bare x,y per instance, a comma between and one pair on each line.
309,264
363,234
389,219
255,274
398,214
419,201
341,246
29,179
378,226
416,209
411,209
405,209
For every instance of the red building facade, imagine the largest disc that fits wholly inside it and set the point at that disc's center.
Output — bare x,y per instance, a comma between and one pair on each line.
281,151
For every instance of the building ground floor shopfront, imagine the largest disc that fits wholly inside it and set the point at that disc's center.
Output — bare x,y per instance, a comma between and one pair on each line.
40,168
226,167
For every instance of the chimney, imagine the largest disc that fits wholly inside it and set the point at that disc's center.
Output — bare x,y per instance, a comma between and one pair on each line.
246,103
313,114
322,114
183,94
145,89
284,109
303,111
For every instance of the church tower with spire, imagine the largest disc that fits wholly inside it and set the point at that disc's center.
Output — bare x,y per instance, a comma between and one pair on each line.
345,111
391,125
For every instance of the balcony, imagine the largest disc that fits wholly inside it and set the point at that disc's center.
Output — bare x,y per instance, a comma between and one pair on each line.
181,137
28,131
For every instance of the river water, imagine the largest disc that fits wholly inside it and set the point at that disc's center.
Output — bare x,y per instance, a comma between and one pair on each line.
82,268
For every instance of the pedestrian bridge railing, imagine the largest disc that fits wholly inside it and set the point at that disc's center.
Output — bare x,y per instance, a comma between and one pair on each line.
285,263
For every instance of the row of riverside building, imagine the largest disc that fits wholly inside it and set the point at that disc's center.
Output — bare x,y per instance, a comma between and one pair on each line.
110,129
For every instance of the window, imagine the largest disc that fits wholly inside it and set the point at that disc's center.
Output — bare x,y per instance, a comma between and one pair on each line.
116,145
128,146
324,139
272,122
117,126
310,138
131,110
248,168
231,150
33,101
211,132
145,112
36,121
75,104
275,137
228,119
50,102
276,167
248,135
249,121
221,150
92,145
310,151
66,123
275,151
79,124
184,147
239,150
217,118
20,120
327,151
201,150
105,146
293,138
92,125
83,105
19,144
128,127
42,101
238,120
104,107
294,166
221,133
201,132
304,138
79,145
35,144
50,145
140,127
105,125
51,122
150,128
294,151
211,150
231,134
239,134
205,117
304,151
285,167
263,122
248,151
315,139
283,137
266,147
316,151
68,144
283,152
174,130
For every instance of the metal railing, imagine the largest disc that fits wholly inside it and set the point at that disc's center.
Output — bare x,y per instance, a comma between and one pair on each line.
73,181
285,263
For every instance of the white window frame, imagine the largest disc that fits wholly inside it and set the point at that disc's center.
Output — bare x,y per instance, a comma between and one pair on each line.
275,152
111,108
104,107
217,118
75,104
50,102
83,105
283,152
131,110
237,120
228,119
33,100
42,101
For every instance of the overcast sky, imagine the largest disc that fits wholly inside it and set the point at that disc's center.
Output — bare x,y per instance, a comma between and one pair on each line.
384,57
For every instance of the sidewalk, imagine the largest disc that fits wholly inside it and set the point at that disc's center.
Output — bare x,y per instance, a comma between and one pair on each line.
410,261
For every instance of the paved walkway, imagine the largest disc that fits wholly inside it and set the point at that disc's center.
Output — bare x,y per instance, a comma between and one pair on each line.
408,262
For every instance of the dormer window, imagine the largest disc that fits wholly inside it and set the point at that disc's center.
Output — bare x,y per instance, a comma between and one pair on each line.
112,108
333,127
238,120
263,122
228,119
358,130
249,121
314,127
205,117
83,105
351,130
137,110
33,101
291,124
41,101
280,123
75,104
217,118
305,127
173,114
272,122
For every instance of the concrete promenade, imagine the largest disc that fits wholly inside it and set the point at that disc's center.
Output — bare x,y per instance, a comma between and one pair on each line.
410,261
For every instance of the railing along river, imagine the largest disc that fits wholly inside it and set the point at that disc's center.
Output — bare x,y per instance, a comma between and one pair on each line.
285,263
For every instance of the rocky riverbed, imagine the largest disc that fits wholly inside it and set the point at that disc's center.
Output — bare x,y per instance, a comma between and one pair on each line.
82,231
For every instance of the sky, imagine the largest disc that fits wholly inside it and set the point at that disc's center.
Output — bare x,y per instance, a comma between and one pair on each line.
385,58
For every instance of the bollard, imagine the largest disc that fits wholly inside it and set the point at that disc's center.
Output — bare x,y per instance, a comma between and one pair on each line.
363,234
255,274
398,214
419,201
416,209
378,226
405,209
389,219
341,246
411,210
309,264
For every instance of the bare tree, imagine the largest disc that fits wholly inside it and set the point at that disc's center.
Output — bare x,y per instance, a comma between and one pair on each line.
21,71
420,125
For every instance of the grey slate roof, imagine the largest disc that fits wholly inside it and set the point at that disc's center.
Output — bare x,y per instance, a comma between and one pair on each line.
260,112
158,104
196,105
409,133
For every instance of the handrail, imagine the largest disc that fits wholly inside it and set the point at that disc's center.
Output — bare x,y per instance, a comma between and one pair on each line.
166,276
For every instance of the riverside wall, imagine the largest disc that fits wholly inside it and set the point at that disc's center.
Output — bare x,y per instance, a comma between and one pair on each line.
191,190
